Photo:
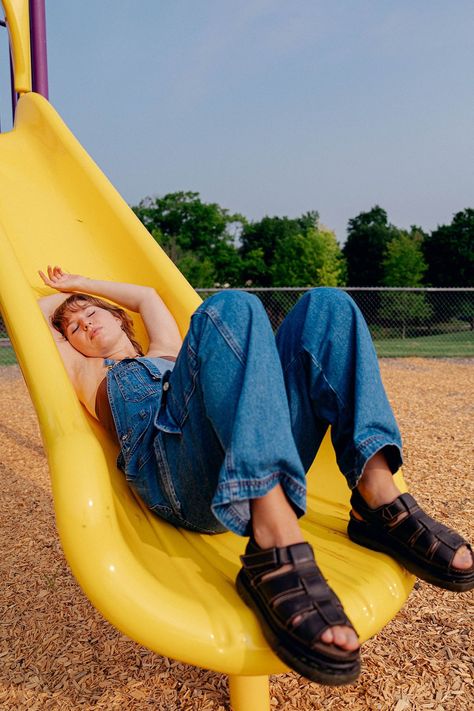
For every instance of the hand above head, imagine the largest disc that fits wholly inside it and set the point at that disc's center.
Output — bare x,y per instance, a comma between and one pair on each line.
62,281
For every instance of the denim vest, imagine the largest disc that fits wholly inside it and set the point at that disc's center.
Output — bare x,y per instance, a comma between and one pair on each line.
136,389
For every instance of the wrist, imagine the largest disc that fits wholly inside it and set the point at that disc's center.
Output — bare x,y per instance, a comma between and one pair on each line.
83,284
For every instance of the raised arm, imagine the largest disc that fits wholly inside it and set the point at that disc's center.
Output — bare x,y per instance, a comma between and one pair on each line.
73,360
161,327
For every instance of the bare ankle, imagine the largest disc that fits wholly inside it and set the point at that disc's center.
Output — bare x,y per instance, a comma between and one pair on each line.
274,521
266,538
376,485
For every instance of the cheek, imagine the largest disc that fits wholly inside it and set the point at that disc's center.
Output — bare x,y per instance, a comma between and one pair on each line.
74,338
116,325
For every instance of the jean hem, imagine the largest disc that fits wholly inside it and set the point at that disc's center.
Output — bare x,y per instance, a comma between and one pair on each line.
228,496
366,450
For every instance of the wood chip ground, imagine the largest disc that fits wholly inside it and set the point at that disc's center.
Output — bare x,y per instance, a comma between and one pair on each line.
56,652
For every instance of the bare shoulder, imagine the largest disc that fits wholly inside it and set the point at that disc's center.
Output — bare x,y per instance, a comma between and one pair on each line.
88,377
85,373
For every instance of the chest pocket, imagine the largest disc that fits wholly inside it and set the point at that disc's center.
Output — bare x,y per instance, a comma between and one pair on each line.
137,380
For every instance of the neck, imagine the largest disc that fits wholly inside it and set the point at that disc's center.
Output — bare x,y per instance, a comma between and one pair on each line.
120,354
123,349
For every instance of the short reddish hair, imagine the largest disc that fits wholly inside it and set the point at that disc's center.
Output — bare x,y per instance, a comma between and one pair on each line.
76,302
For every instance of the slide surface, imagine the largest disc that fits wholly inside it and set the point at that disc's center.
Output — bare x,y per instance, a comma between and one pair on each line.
168,589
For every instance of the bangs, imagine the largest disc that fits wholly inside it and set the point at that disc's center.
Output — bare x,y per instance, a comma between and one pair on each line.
76,302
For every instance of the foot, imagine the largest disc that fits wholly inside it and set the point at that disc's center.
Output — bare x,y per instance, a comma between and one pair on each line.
275,525
295,607
377,488
400,528
463,558
342,636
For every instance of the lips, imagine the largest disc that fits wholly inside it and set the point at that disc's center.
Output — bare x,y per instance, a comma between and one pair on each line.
95,331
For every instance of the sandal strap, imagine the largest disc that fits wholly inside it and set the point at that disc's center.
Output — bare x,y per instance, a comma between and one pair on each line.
415,529
300,597
263,559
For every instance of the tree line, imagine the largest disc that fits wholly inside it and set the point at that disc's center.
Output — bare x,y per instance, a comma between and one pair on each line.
214,247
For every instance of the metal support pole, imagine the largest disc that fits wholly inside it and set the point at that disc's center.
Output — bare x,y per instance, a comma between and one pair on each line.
39,58
12,86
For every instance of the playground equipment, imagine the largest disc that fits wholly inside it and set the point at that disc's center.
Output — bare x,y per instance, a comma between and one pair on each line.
168,589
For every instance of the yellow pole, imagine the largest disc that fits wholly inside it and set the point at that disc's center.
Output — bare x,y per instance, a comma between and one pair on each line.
17,15
249,693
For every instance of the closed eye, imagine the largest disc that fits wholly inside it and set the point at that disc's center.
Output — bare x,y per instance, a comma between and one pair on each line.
75,325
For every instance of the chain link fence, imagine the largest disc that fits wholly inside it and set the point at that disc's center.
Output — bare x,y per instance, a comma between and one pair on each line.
7,354
425,322
403,322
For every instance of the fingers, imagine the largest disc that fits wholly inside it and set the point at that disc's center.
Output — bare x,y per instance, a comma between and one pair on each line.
47,280
55,272
55,275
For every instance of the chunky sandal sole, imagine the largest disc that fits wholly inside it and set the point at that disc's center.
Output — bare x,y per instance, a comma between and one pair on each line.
373,537
297,657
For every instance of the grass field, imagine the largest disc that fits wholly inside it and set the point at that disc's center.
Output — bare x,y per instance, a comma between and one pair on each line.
445,345
7,355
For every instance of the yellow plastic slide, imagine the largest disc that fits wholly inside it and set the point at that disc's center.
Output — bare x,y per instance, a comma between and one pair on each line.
168,589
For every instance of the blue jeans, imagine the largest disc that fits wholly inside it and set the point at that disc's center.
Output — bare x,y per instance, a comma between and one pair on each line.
245,410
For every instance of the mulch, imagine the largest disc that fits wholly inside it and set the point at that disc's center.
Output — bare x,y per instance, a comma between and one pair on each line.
56,652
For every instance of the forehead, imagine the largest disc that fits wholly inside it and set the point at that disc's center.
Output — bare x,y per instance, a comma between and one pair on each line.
78,310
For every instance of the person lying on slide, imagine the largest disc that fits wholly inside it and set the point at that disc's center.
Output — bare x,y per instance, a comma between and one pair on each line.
216,433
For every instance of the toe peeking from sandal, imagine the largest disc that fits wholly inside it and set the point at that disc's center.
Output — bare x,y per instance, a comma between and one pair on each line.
404,531
295,606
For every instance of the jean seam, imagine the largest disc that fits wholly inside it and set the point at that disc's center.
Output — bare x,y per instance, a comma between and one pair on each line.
166,478
225,333
303,350
333,390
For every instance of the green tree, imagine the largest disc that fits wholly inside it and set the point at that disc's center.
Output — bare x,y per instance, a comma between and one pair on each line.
333,269
449,252
199,237
198,271
368,235
260,240
254,270
310,259
404,264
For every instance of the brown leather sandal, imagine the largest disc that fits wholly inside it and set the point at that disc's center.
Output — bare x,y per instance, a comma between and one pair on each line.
294,608
404,531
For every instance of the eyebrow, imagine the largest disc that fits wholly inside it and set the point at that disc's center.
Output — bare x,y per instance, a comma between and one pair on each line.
74,313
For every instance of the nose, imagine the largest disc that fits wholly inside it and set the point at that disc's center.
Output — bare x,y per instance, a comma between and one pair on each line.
85,324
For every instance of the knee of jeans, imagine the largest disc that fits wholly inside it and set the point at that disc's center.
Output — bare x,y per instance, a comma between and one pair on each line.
326,297
233,300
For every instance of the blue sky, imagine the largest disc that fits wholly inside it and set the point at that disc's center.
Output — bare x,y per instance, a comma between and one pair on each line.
274,106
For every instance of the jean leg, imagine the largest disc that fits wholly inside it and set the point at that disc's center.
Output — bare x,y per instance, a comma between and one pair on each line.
227,395
332,378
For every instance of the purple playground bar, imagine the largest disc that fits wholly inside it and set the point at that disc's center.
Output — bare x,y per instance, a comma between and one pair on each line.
39,59
12,85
